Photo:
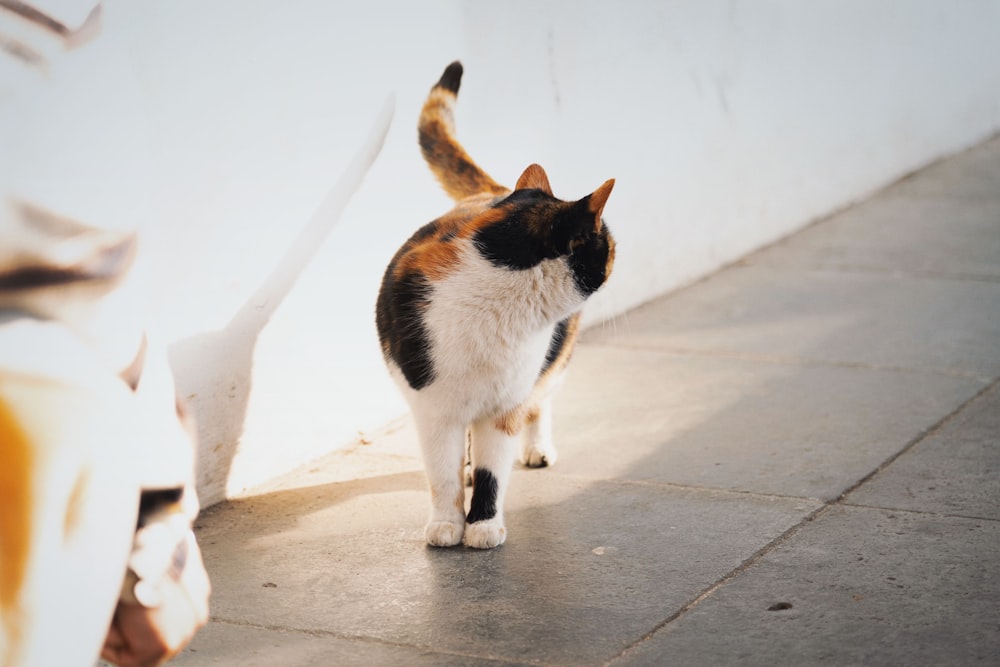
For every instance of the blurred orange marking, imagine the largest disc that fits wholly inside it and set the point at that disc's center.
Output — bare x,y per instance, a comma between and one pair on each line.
15,506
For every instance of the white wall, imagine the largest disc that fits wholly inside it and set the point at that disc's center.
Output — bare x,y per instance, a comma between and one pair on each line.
219,127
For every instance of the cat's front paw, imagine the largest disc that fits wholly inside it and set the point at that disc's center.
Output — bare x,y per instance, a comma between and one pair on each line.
443,533
485,534
537,457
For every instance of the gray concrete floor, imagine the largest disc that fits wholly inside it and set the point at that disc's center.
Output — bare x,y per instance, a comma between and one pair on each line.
795,461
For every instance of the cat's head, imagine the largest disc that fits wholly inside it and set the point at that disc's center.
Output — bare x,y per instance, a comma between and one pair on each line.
533,226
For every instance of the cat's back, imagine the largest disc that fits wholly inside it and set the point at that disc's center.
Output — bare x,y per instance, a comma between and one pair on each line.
436,255
433,251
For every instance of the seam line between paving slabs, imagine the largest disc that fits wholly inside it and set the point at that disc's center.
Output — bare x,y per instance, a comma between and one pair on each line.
923,435
862,270
903,274
677,486
904,510
785,361
725,579
809,518
329,634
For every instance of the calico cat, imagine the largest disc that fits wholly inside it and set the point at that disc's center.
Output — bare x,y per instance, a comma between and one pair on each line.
477,316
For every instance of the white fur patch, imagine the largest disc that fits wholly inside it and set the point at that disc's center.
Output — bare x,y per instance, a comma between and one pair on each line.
490,329
443,533
485,534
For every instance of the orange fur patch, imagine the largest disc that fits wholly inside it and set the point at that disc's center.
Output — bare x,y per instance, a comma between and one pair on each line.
454,169
569,343
611,256
15,506
432,258
511,422
534,177
77,499
436,255
598,199
532,415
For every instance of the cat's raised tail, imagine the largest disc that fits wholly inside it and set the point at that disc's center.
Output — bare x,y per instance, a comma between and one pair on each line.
457,173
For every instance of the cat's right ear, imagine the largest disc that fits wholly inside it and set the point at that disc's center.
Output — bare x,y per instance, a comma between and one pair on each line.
597,199
534,178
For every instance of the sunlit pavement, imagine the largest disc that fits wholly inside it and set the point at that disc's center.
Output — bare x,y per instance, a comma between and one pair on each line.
795,461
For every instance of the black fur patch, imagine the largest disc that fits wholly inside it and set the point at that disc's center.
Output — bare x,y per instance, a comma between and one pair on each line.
425,232
555,345
401,330
484,496
151,502
452,77
513,242
568,227
589,263
509,244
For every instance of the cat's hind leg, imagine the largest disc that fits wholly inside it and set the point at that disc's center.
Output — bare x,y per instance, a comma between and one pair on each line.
443,446
493,451
537,448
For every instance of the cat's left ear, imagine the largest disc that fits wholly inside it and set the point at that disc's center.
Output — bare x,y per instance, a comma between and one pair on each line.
534,177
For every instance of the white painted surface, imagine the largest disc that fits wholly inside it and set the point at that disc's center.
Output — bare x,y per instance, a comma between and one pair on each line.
219,127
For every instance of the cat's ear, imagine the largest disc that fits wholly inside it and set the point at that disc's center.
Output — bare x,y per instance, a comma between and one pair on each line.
580,219
597,199
534,177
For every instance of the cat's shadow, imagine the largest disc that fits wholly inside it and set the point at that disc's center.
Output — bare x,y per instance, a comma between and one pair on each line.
213,371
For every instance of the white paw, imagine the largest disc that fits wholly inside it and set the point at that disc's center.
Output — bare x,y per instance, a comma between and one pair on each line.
443,533
485,534
535,457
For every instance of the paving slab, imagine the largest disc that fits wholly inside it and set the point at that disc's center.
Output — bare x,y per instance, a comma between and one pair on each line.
956,470
703,421
857,586
227,645
943,236
588,568
876,320
741,424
